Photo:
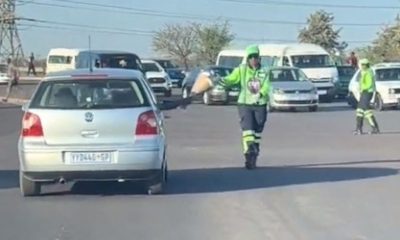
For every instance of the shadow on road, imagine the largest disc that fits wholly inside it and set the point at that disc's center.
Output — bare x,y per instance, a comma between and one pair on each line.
224,179
234,179
9,179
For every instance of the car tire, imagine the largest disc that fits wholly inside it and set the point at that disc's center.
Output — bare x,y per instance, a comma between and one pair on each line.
159,186
352,101
270,108
206,99
378,104
28,187
313,108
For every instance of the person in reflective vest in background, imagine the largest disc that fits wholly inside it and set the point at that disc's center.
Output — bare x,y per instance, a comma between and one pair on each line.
254,84
367,91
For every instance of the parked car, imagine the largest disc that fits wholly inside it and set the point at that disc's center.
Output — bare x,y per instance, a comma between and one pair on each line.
3,73
346,72
291,89
387,77
217,94
92,126
176,75
157,77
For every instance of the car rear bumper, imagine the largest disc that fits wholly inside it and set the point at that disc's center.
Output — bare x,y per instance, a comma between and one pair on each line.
100,175
55,160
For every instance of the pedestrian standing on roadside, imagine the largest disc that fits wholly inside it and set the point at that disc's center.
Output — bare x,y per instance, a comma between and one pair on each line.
13,76
31,66
353,61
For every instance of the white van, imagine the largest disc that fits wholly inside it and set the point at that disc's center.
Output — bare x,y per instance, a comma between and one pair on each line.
315,62
231,58
60,59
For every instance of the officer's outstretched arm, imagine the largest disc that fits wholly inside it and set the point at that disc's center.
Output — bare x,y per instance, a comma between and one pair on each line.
232,79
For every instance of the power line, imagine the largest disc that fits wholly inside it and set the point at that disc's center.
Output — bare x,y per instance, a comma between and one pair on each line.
86,26
323,5
146,12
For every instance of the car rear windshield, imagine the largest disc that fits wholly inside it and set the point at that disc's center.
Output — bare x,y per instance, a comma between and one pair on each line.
388,74
90,94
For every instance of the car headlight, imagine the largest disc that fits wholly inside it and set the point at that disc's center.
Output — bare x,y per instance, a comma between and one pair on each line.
335,79
391,91
278,91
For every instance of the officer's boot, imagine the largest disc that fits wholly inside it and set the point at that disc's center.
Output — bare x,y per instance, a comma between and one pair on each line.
375,127
251,156
359,126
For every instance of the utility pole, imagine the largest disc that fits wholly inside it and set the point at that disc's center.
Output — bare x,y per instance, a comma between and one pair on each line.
10,43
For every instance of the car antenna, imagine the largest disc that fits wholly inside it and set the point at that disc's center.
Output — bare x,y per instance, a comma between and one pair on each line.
90,55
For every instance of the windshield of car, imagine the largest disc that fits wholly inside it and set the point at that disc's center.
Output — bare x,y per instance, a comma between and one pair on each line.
287,75
347,71
150,67
166,64
230,61
90,94
268,61
312,61
387,74
54,59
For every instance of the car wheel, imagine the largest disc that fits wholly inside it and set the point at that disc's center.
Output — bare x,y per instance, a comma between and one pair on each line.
313,108
27,187
270,108
206,98
352,101
185,92
159,186
378,103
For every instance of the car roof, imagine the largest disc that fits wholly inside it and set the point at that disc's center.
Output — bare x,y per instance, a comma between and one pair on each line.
283,67
149,61
108,72
387,65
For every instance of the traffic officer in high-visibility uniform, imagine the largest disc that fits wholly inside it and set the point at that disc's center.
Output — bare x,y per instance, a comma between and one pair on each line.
254,84
367,91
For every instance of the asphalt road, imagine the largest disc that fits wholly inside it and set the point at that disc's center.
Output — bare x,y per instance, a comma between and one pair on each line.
316,181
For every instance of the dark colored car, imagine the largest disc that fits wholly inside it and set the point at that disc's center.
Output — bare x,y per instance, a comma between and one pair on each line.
176,75
165,63
217,94
346,72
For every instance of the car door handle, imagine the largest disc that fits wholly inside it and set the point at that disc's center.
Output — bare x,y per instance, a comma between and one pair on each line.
90,133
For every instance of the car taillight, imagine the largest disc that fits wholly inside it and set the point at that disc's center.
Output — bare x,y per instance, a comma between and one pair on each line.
147,124
31,125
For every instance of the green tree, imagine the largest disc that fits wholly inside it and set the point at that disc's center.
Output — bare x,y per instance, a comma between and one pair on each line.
386,47
320,31
176,41
211,39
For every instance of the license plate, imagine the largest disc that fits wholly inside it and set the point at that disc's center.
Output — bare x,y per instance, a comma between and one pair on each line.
233,94
89,158
322,92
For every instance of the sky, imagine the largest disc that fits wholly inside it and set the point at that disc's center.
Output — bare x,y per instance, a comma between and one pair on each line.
128,24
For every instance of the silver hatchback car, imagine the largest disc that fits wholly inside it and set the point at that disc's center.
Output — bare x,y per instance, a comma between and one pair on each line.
101,125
